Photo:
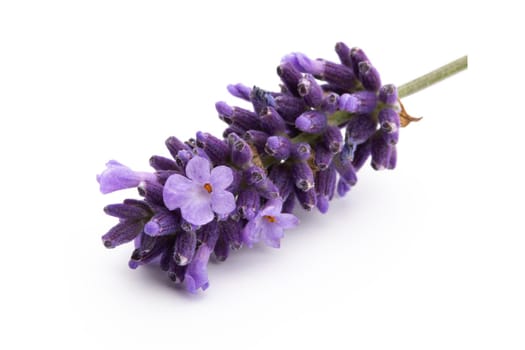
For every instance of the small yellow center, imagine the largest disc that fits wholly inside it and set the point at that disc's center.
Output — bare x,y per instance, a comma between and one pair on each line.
270,218
207,187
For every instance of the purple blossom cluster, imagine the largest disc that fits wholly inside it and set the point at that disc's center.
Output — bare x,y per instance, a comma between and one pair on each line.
301,144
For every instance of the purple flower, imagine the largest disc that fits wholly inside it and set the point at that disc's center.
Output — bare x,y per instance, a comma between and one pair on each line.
118,177
216,194
197,275
201,193
268,225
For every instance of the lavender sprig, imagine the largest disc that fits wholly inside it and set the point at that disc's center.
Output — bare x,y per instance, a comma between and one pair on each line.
301,144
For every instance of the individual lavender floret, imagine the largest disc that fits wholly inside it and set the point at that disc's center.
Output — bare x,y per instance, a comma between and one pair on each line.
357,56
290,76
359,129
202,193
271,121
184,248
208,234
118,177
248,203
174,145
332,139
289,204
278,147
346,169
330,103
256,138
302,150
369,76
261,99
216,149
267,189
361,154
334,73
382,153
152,192
388,94
232,231
268,225
361,102
311,122
124,232
325,186
240,91
162,223
241,153
342,187
343,52
183,157
303,63
160,163
289,107
149,250
323,157
130,209
280,176
388,120
302,175
254,174
225,111
310,91
308,199
222,248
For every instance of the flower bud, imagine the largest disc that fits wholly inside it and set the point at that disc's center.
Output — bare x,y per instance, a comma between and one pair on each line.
240,90
271,121
290,76
301,151
122,233
343,52
369,76
184,248
162,223
310,91
216,149
289,107
278,147
311,122
332,139
388,94
241,153
303,176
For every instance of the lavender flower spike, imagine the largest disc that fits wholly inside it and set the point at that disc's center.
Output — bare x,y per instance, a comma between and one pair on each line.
201,193
269,225
118,177
300,144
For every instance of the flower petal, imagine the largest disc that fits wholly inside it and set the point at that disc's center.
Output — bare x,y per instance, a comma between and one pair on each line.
221,177
272,233
198,169
222,202
177,191
272,207
197,210
287,220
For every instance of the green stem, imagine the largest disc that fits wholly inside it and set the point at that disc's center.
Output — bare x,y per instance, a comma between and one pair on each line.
433,77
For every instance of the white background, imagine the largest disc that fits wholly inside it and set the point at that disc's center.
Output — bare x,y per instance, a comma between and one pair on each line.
429,256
